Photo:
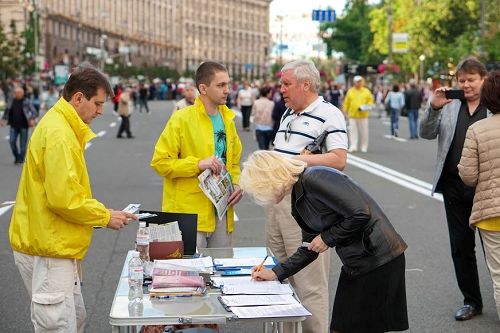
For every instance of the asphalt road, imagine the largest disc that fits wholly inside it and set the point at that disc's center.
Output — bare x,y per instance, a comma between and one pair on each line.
120,174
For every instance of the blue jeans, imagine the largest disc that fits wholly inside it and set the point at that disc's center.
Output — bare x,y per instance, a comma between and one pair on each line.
264,138
394,120
23,134
413,122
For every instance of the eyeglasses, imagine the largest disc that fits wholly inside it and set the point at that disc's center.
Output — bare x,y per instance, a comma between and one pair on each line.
288,130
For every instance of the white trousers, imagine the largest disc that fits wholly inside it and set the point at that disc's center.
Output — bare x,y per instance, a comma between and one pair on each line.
54,288
358,127
284,237
218,239
491,242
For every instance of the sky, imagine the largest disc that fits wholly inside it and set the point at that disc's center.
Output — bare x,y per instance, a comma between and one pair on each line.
297,31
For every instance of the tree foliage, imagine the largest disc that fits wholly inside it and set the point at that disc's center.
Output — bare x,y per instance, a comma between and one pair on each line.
351,34
444,31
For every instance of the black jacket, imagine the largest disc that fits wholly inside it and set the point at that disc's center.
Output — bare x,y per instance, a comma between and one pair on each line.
327,202
28,110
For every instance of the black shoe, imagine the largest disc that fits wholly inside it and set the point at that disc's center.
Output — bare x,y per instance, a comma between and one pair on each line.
467,312
119,137
130,137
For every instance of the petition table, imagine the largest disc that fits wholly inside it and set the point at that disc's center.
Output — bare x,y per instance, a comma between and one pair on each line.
205,309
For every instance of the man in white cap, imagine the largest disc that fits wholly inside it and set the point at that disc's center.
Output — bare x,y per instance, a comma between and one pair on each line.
357,104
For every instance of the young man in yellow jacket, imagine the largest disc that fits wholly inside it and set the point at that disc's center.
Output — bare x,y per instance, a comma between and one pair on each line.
202,136
54,216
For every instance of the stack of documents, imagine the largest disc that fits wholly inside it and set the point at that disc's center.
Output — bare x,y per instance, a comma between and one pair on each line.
167,232
179,277
248,298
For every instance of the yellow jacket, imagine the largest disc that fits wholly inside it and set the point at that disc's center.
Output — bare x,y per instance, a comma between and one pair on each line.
188,138
55,212
354,99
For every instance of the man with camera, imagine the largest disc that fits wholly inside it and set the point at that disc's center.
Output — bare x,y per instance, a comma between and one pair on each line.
307,117
448,117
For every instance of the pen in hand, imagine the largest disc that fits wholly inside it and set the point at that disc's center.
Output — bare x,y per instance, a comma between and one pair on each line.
259,268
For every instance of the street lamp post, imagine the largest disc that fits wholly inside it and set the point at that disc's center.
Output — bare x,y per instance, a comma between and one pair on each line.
422,59
101,40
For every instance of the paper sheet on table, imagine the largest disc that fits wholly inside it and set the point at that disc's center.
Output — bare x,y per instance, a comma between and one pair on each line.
258,289
294,310
199,264
255,300
217,281
242,262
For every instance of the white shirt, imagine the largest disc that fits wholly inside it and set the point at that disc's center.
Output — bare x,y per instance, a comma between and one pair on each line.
302,129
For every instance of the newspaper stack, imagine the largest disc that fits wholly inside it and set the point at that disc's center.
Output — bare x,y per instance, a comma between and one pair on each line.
167,232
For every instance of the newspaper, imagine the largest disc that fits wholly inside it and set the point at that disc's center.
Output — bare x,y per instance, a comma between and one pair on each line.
165,232
217,188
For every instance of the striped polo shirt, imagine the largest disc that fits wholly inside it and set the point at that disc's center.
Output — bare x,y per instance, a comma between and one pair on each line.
296,131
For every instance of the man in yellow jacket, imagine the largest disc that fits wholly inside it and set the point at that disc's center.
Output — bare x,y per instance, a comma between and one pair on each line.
54,215
202,136
357,104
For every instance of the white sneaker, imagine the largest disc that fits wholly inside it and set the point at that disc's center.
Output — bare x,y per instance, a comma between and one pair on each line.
364,150
352,150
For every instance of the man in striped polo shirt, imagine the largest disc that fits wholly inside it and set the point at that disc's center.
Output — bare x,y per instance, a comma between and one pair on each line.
308,115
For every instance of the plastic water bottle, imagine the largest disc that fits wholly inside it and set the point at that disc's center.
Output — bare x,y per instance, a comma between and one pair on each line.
142,242
135,277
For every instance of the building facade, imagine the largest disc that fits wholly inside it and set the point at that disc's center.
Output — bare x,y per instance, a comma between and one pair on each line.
179,34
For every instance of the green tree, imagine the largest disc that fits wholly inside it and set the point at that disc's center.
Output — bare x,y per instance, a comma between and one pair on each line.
351,34
13,57
444,31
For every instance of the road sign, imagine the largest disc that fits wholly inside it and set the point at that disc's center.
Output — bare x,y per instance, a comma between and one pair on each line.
328,15
400,42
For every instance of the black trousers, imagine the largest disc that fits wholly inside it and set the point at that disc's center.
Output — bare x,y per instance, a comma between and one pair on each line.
458,200
124,127
245,113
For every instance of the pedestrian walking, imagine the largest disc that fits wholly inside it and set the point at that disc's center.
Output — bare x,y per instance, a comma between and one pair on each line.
357,103
333,211
55,213
125,107
395,101
143,97
245,101
262,112
479,167
307,117
200,137
413,101
448,120
19,115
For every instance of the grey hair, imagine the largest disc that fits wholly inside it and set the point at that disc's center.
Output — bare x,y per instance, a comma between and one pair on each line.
304,70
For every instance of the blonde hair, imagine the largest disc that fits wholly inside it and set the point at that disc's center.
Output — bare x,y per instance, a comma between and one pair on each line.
268,175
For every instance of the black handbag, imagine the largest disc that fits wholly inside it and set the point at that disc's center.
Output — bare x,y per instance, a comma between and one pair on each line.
315,146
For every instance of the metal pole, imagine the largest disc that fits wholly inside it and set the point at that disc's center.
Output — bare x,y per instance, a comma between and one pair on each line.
389,35
35,34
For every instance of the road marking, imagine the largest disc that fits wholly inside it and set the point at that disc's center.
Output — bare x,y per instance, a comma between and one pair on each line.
6,206
101,134
414,270
113,124
88,145
394,176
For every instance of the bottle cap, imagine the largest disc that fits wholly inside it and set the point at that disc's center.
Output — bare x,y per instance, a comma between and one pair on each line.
142,224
